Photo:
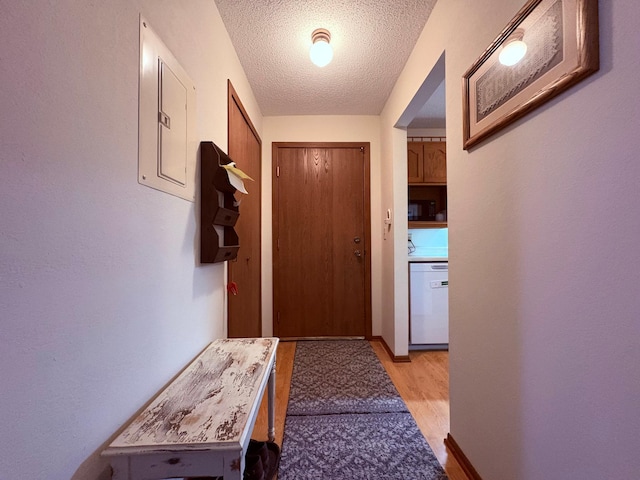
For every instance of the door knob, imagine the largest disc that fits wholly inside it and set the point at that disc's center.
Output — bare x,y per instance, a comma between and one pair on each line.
356,239
357,253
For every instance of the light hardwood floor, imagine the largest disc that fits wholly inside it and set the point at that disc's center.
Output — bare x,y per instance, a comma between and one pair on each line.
423,384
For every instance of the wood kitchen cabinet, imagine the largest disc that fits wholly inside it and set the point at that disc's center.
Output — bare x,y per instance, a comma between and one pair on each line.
427,181
427,162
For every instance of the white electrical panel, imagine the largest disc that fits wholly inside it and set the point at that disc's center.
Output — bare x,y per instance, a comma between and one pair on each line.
167,145
172,127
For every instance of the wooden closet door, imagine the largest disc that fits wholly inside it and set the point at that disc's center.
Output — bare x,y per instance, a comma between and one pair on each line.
244,314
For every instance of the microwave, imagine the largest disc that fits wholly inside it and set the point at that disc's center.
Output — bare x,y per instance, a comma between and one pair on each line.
422,210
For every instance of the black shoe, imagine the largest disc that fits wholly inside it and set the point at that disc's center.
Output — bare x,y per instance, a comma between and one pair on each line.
269,455
253,469
260,449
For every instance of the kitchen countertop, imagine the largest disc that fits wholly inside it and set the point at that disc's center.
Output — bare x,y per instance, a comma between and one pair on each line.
429,254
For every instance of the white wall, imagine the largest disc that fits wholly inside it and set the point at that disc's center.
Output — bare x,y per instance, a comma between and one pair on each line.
319,128
102,298
395,270
543,258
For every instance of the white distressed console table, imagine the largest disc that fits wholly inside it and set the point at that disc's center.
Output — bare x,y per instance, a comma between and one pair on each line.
200,425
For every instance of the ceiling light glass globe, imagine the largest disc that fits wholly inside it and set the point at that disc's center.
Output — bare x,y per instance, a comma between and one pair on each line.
321,53
512,53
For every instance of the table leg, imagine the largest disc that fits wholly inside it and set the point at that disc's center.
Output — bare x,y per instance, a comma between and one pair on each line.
272,403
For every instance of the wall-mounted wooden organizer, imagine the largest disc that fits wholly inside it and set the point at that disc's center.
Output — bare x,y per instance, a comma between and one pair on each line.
218,207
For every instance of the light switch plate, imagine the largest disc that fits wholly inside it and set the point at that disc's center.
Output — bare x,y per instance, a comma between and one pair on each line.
167,145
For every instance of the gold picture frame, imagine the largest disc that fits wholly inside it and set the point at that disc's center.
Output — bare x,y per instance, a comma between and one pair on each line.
562,48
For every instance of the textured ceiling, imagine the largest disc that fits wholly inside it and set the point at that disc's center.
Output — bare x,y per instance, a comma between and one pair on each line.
371,40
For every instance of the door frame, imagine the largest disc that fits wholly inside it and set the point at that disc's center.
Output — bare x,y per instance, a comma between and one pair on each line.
365,147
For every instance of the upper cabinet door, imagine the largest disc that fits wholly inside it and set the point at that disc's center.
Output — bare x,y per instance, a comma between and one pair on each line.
415,165
435,162
427,162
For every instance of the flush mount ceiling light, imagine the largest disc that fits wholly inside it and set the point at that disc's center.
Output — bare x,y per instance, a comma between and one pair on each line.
321,52
514,49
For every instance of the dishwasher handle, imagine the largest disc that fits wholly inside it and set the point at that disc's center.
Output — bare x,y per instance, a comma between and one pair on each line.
440,267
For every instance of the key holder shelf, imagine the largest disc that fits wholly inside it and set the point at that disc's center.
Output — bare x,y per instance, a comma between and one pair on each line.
218,207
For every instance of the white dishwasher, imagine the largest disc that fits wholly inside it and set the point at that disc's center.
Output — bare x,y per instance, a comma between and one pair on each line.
429,304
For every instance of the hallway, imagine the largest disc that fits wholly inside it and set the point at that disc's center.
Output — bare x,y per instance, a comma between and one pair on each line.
423,384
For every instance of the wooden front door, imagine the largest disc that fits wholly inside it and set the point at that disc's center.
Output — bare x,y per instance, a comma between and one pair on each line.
244,309
321,237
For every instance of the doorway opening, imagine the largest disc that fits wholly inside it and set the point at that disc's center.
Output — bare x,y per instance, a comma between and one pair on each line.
426,196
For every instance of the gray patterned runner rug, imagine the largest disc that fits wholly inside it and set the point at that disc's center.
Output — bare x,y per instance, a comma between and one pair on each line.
346,420
340,376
